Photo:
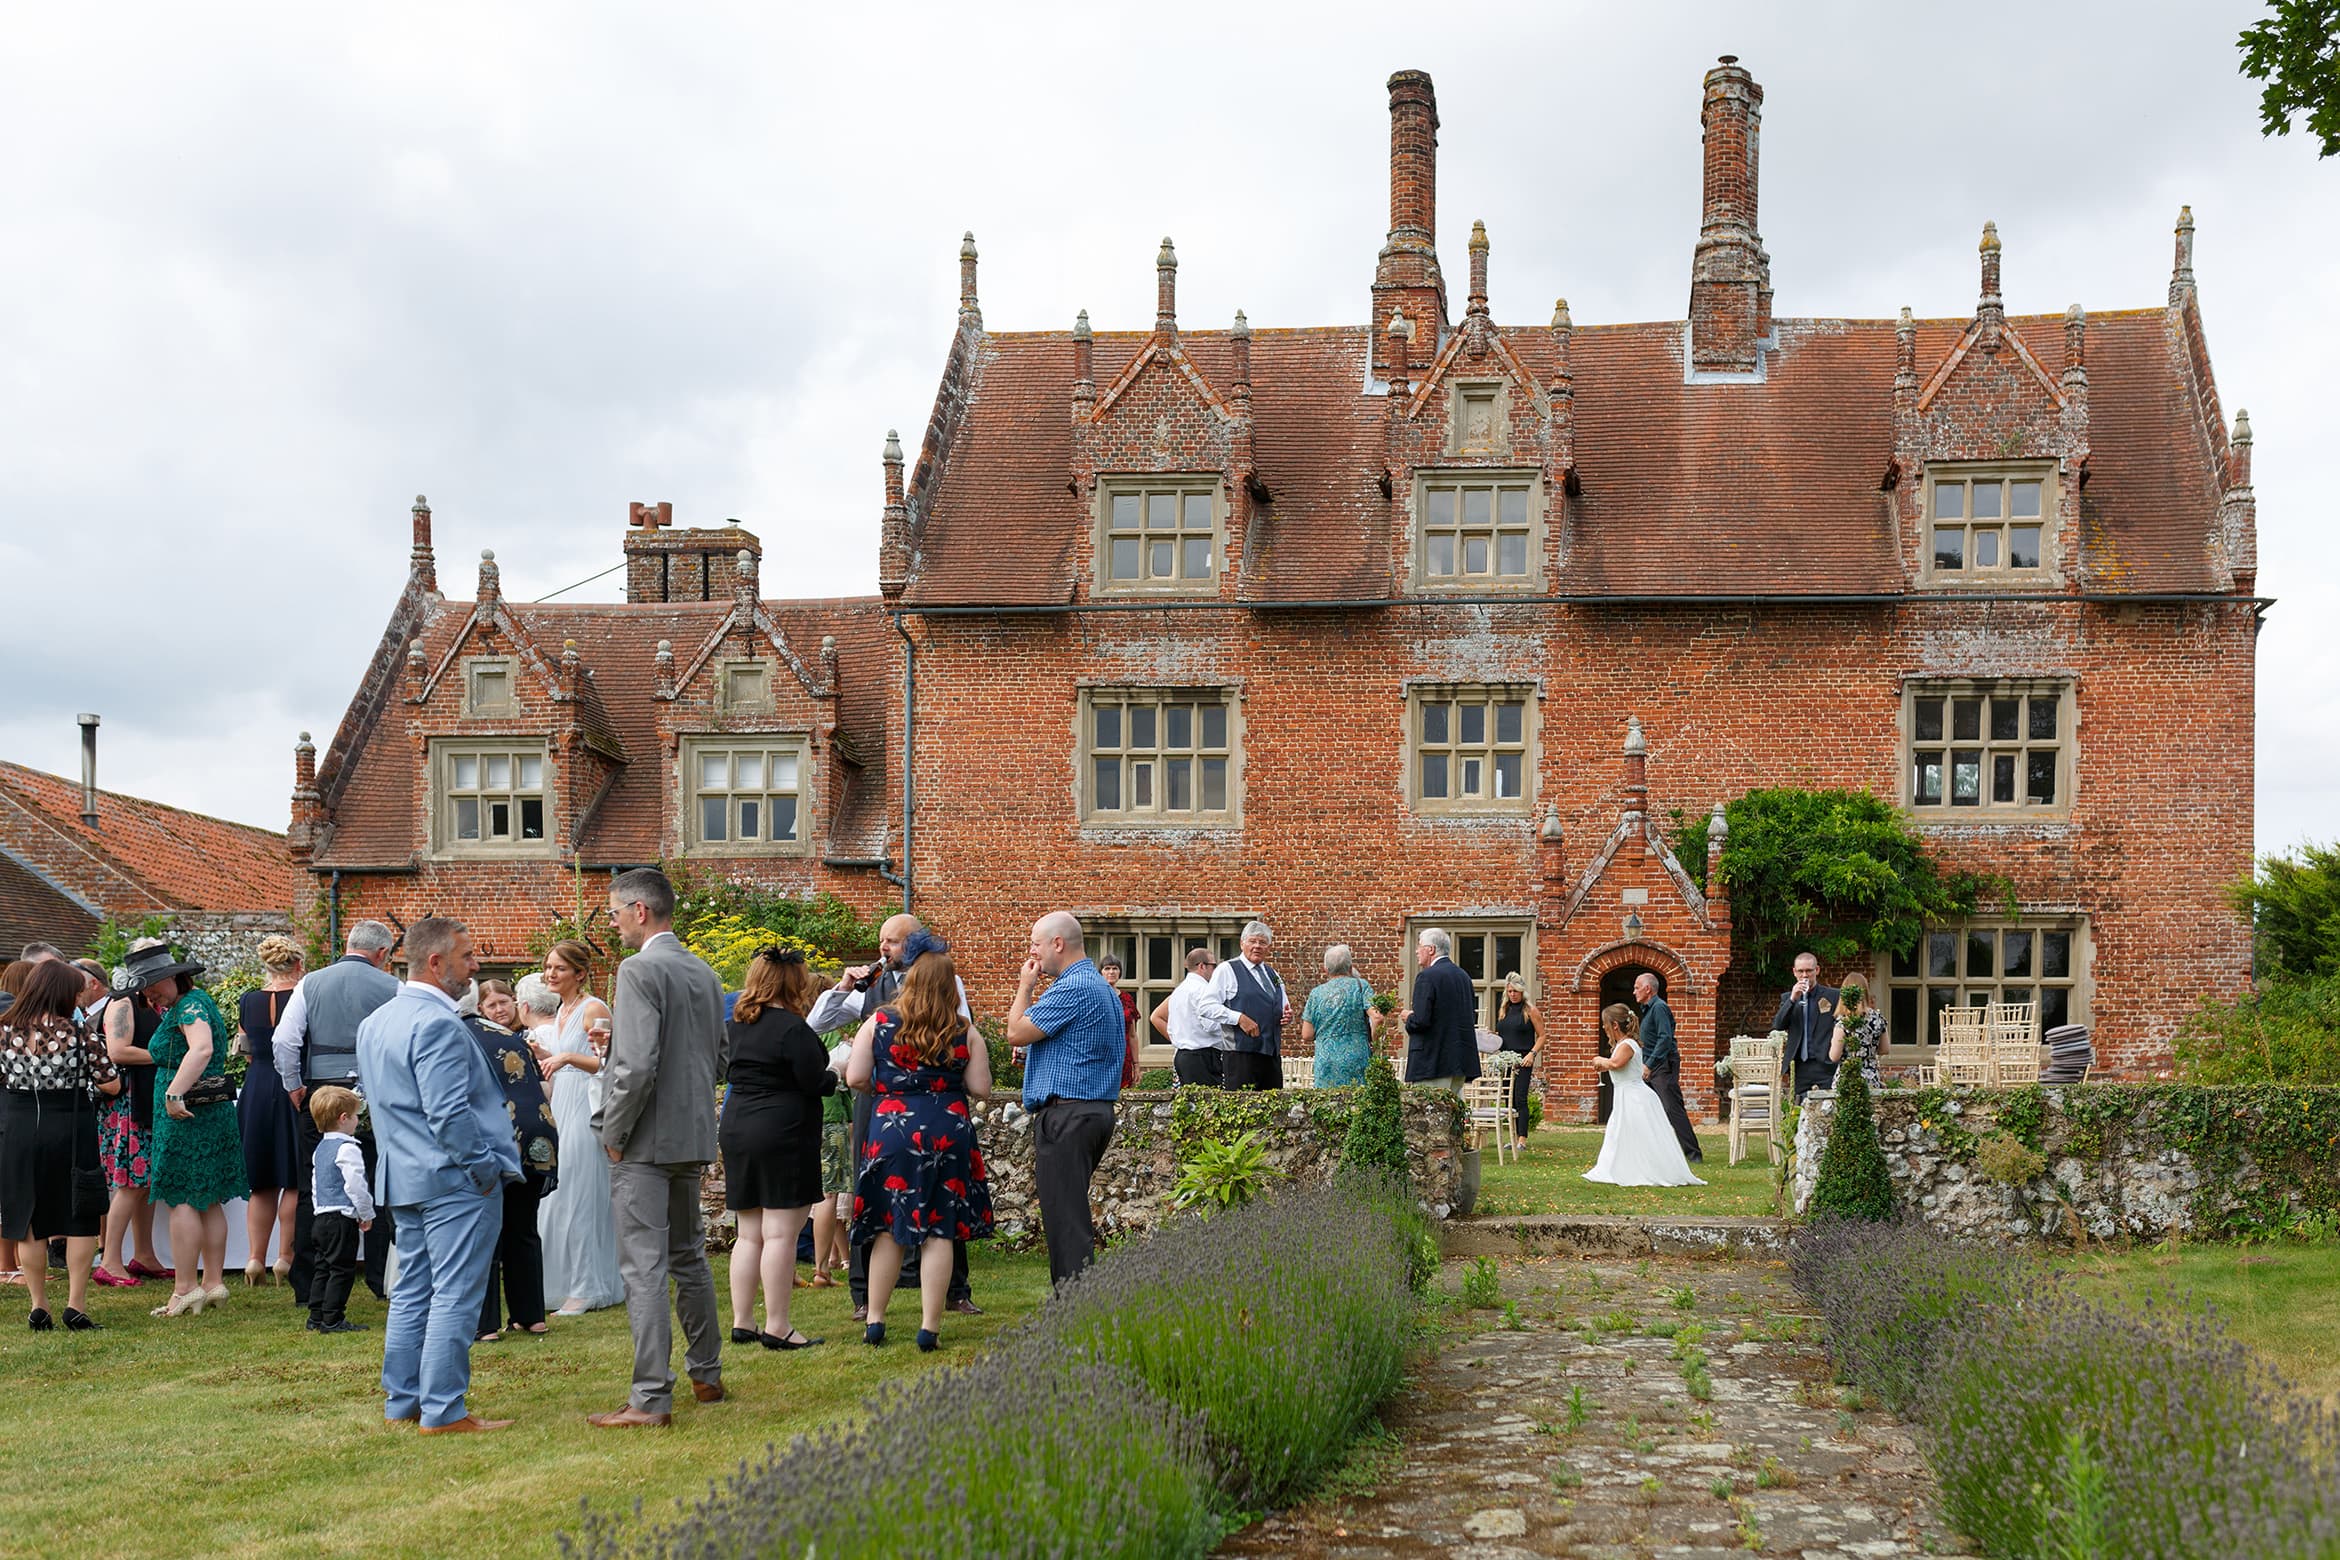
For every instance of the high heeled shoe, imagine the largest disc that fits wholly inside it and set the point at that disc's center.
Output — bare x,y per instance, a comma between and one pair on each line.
255,1273
283,1270
188,1302
78,1321
215,1295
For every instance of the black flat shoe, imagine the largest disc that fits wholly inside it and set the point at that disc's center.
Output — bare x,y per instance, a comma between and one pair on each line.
39,1321
78,1321
928,1342
800,1341
745,1335
874,1334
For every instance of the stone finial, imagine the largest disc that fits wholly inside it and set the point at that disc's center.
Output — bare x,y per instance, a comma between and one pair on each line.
829,660
1239,342
746,585
664,661
1084,359
1479,247
422,567
1560,319
1636,745
969,309
1718,828
1550,832
1166,289
1081,330
1905,356
1993,310
2238,452
304,765
2075,346
2181,276
418,672
1401,335
491,580
893,463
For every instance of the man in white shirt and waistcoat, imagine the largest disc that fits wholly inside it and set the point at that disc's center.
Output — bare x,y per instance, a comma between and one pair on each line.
1246,999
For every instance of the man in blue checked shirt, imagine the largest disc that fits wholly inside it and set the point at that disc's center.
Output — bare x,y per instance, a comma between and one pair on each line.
1074,1036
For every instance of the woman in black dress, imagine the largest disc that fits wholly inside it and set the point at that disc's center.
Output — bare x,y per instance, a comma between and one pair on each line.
1521,1026
52,1072
778,1072
264,1114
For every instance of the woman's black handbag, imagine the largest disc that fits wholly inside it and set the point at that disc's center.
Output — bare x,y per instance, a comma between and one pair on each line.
210,1089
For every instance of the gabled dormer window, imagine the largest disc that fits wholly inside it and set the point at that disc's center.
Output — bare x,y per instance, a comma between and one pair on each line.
1989,523
1158,535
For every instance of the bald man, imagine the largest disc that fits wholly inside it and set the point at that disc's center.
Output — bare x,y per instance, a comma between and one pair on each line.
1074,1035
860,991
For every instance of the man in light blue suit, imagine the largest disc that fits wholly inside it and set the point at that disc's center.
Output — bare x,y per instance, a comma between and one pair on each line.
445,1149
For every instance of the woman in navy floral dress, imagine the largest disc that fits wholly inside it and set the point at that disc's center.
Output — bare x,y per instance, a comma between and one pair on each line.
921,1179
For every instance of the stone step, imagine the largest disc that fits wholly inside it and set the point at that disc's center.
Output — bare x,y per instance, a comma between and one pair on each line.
1614,1235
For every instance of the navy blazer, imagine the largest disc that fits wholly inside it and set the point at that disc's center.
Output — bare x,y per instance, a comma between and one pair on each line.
1657,1035
1810,1024
1443,1028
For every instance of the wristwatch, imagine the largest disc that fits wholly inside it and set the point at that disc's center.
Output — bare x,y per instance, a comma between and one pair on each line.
174,1099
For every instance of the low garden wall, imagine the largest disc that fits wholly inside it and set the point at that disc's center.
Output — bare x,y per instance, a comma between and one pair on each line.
1301,1131
2101,1161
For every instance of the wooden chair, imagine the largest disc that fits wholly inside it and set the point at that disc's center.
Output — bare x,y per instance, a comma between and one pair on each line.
1488,1101
1966,1056
2014,1040
1299,1072
1755,1091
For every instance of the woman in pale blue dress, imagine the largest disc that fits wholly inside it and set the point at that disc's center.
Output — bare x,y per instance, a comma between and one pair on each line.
1340,1021
575,1222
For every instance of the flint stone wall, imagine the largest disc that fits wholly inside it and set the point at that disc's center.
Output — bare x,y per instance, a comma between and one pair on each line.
2135,1182
1131,1191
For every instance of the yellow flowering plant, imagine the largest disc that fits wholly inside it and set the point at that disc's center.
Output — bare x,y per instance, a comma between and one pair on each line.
728,942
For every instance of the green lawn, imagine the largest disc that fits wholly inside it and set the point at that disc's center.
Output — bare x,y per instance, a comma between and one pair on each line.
1549,1178
237,1433
2283,1300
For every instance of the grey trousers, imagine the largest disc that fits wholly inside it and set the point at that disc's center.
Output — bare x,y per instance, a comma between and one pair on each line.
661,1234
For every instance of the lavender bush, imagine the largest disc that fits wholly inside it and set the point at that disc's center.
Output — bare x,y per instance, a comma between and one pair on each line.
1887,1295
1019,1454
1280,1325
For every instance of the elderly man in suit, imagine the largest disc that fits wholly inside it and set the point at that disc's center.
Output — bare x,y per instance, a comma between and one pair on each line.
443,1153
1442,1023
1661,1061
1808,1014
657,1124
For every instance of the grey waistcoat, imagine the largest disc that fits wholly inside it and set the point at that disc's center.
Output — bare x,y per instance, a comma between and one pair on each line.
338,998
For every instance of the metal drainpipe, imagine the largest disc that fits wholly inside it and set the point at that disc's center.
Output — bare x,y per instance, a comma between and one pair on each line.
333,913
909,748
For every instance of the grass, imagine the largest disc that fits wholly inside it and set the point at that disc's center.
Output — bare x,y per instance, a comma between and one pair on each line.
1549,1178
2282,1300
241,1434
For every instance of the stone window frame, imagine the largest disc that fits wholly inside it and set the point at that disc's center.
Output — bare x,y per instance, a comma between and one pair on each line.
1108,935
2003,474
726,698
1990,749
1158,815
1143,486
480,667
1484,930
1904,985
1464,393
1529,747
445,754
693,747
1429,481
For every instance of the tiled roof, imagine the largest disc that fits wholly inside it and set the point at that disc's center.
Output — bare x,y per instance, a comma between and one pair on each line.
143,856
1712,489
32,910
617,643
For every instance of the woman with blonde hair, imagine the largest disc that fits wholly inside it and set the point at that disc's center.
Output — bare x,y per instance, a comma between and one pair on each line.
1522,1029
777,1074
575,1220
921,1179
264,1114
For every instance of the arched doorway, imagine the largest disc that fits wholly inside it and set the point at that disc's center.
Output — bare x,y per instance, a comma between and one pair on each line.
1617,986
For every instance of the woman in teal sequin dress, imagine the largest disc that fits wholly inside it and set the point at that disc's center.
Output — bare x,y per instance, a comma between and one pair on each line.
1340,1020
198,1156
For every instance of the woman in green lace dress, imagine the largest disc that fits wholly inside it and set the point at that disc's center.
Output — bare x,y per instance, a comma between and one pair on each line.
1341,1021
198,1151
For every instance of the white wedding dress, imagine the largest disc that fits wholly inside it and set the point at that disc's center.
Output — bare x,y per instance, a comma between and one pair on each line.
1640,1148
576,1223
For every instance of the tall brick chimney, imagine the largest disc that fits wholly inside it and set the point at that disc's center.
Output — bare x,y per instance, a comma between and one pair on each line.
1407,280
664,564
1730,275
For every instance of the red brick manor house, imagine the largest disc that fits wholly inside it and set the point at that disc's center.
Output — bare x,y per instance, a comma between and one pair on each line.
1422,620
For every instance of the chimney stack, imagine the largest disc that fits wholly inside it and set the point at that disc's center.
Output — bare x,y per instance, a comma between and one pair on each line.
1407,278
1730,275
89,726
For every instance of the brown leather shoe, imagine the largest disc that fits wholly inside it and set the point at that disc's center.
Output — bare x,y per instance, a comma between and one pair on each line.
627,1418
964,1307
707,1391
468,1424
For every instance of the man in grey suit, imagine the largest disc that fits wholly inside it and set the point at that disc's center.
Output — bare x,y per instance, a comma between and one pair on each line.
657,1124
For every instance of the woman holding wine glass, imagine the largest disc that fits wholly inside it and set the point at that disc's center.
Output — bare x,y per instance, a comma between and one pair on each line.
578,1230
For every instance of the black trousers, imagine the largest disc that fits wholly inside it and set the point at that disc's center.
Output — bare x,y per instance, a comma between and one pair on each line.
857,1254
1206,1068
518,1264
1069,1138
1521,1077
333,1265
376,1240
1813,1075
1250,1070
1667,1081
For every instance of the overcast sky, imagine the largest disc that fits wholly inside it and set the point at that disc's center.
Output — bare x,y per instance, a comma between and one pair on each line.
272,271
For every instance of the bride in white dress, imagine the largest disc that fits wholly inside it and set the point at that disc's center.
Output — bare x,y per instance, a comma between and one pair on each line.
576,1224
1640,1148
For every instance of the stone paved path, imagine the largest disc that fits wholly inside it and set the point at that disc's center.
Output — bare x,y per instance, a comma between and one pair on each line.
1569,1426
